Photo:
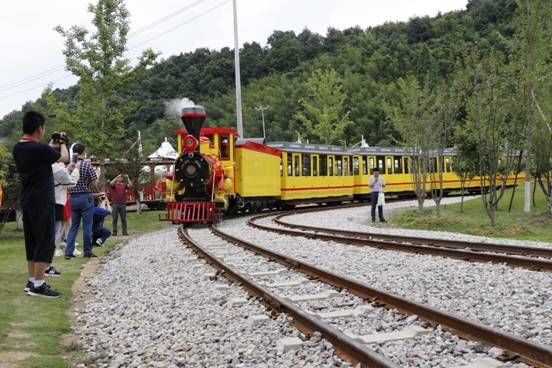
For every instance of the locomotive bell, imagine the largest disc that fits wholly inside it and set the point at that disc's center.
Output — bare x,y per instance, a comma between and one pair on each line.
193,118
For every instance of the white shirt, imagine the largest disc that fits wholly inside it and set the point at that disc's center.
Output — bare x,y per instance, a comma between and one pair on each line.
62,181
376,183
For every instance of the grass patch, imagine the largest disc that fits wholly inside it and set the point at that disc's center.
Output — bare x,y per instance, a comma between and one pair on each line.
474,220
30,325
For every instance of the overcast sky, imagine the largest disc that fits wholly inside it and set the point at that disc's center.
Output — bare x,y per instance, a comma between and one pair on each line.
32,50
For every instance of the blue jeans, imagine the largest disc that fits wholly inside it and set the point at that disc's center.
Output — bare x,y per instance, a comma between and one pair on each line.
82,206
101,233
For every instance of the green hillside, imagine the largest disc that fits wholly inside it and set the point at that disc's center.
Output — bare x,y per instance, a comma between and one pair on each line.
368,63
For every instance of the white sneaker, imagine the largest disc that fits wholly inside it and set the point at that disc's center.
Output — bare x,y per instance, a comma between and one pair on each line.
76,252
58,252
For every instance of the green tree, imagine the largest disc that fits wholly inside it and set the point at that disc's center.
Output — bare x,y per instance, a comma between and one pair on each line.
105,74
323,114
411,112
490,123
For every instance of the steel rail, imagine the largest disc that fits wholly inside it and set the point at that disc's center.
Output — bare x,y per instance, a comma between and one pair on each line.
446,243
352,350
516,261
534,353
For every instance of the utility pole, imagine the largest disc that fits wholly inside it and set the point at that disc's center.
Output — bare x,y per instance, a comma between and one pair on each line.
237,73
262,109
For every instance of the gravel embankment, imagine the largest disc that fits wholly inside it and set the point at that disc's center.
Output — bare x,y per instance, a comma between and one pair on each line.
358,219
515,300
148,308
434,348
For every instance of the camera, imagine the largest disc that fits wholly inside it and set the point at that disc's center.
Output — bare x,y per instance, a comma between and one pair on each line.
59,138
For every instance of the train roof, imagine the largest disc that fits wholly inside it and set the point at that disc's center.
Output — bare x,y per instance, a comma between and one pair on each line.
329,149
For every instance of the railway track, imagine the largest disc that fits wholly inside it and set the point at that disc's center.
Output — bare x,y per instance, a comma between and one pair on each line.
251,265
539,259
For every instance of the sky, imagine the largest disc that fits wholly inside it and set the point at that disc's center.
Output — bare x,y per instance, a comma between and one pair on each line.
32,51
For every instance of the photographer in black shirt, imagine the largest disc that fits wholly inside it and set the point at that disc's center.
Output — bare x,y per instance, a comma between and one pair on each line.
34,164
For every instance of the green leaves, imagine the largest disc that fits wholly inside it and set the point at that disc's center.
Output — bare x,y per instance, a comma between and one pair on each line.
323,113
97,58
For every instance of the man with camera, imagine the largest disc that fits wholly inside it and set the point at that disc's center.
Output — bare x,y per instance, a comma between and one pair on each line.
82,205
34,164
119,200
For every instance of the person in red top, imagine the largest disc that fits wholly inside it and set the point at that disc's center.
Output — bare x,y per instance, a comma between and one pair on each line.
119,200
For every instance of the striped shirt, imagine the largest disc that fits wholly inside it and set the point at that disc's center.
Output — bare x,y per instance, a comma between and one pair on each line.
87,174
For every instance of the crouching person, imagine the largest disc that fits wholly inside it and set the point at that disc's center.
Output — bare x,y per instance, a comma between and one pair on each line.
101,211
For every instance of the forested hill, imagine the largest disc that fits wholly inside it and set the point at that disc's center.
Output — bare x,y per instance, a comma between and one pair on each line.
368,62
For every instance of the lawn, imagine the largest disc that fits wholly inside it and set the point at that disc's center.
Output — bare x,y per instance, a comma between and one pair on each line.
474,220
31,327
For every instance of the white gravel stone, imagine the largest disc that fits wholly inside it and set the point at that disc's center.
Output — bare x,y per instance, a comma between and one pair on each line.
358,219
514,300
148,308
427,346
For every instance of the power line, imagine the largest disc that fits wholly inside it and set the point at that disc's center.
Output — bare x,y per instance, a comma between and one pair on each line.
35,87
181,24
164,19
59,68
132,48
32,78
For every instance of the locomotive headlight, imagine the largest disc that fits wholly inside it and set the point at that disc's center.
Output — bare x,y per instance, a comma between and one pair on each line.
190,170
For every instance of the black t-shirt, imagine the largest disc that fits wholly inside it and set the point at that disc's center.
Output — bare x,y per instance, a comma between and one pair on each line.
34,164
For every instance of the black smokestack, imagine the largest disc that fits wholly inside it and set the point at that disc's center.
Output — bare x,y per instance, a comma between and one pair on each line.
193,118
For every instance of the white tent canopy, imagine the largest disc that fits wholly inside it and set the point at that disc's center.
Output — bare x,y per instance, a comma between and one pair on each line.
165,151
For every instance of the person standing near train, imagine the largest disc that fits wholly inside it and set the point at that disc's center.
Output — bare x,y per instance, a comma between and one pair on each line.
376,184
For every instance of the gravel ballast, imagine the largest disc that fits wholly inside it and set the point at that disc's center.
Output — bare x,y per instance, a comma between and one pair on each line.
433,348
358,219
514,300
148,308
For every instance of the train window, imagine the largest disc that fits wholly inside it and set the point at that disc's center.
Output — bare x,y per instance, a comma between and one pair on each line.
372,165
350,159
323,165
314,159
330,166
406,164
306,165
345,166
397,165
224,147
380,164
297,164
364,165
281,167
289,165
432,165
355,166
338,160
389,165
448,167
211,141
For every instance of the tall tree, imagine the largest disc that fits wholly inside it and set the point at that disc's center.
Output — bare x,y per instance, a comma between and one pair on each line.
324,114
105,74
490,123
532,44
411,112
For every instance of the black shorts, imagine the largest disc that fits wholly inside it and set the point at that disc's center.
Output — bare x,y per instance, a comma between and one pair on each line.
39,229
59,212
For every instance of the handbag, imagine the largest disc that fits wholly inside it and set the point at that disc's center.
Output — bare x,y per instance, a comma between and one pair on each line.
381,199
